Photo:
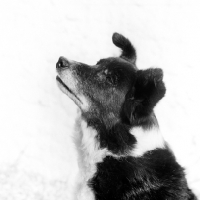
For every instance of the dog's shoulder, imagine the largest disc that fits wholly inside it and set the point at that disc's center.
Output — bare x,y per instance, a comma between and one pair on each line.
155,175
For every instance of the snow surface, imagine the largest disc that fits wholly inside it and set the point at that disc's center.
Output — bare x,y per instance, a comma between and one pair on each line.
37,159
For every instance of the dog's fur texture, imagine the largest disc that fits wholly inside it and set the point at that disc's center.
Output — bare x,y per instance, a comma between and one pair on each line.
122,155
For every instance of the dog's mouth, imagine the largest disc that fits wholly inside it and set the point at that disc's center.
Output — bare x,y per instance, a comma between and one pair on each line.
70,92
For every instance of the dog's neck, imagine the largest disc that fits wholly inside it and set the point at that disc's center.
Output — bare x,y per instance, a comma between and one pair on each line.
120,140
110,119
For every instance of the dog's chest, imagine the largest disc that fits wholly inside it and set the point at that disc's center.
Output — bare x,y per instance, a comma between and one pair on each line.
89,155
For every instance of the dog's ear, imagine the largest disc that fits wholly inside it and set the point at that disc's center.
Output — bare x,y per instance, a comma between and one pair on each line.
128,51
148,89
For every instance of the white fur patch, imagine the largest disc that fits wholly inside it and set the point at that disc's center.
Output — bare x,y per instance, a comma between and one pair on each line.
147,140
89,155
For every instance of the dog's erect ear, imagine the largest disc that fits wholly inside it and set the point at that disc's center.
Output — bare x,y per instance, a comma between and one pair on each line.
148,89
128,51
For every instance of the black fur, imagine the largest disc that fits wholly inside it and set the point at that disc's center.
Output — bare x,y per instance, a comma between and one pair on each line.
141,99
121,98
116,139
128,51
140,178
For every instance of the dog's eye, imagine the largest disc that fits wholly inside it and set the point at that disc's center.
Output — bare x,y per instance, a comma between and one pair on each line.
111,77
108,76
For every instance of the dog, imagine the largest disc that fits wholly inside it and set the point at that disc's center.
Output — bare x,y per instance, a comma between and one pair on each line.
122,154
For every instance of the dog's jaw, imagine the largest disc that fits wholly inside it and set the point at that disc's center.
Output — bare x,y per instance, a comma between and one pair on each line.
65,89
79,100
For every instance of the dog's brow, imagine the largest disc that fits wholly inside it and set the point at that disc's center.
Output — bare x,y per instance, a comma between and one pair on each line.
100,61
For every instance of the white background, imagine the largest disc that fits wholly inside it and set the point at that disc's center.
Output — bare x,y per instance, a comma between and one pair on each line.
37,159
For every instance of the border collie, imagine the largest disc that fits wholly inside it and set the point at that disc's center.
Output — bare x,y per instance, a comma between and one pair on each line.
122,155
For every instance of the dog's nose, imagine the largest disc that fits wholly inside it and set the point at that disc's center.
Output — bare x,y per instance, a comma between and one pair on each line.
62,63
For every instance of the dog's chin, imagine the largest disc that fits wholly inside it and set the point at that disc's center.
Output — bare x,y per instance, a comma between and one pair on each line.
66,90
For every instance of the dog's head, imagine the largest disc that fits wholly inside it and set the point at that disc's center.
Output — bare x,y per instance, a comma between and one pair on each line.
113,90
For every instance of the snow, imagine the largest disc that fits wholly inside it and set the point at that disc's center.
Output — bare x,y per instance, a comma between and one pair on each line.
37,156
